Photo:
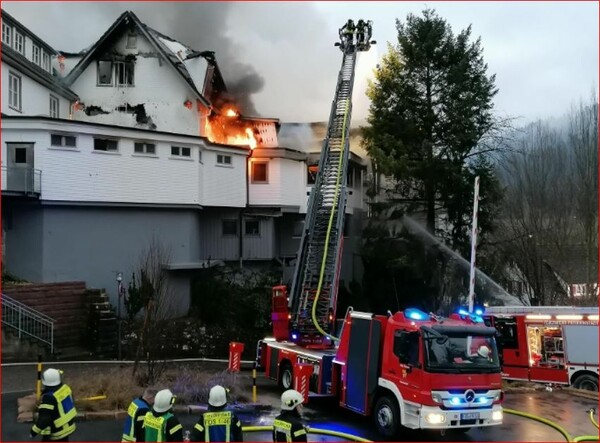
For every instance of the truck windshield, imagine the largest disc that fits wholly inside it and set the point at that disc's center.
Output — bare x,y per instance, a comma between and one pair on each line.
461,353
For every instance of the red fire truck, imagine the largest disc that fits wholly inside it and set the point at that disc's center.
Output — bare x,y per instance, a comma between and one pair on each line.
548,344
409,368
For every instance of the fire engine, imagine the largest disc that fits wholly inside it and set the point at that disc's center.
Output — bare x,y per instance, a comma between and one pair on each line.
409,368
548,344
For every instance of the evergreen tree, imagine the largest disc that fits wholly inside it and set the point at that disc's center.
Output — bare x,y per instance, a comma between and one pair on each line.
430,127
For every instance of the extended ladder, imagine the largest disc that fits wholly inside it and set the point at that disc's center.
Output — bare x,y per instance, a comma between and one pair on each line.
314,289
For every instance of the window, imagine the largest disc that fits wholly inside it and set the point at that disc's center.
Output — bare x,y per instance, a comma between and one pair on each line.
181,151
21,155
144,148
252,227
223,159
406,347
311,174
19,42
53,107
6,34
68,141
14,91
46,61
298,228
104,69
259,172
131,41
350,177
507,333
105,144
35,55
124,73
230,227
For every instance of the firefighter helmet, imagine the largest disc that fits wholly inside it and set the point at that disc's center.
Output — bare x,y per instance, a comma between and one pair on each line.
217,396
290,399
483,351
51,377
163,400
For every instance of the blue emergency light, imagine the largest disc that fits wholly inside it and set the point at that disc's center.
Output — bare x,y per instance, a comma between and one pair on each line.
455,400
415,314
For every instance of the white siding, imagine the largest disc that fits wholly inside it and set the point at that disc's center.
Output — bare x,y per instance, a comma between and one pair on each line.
35,98
83,175
224,185
157,86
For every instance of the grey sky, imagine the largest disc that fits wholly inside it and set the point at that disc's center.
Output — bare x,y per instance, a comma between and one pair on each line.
544,54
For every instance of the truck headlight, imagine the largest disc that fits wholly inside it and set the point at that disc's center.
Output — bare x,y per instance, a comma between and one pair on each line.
497,415
434,418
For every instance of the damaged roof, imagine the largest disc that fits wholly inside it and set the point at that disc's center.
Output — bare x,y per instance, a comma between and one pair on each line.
172,50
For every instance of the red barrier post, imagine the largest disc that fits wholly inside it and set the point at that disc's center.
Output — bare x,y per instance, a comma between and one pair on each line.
235,356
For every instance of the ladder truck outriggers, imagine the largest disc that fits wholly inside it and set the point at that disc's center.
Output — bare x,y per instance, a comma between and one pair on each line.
409,368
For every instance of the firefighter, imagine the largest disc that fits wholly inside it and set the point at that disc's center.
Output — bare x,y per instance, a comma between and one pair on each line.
361,32
56,413
347,32
159,423
287,426
217,423
134,423
482,356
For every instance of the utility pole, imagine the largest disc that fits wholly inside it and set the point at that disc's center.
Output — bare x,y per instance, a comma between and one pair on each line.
473,245
119,294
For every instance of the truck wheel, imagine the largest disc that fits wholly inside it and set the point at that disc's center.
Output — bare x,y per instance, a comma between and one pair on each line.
387,416
286,377
586,382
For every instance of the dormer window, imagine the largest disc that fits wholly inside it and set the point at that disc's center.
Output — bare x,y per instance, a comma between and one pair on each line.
19,42
35,55
6,34
46,61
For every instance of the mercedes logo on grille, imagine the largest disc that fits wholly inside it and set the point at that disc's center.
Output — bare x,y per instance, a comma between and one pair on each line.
469,396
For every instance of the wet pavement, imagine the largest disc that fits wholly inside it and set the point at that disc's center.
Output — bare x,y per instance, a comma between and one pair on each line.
563,407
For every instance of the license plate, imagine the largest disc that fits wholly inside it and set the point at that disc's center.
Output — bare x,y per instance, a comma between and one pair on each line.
470,416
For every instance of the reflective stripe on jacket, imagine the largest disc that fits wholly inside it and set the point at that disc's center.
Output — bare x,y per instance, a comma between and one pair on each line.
56,414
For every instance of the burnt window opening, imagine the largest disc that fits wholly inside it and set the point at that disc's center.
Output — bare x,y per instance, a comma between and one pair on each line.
311,174
105,69
20,155
230,228
252,228
68,141
260,172
124,73
181,151
131,41
224,160
105,144
94,110
144,148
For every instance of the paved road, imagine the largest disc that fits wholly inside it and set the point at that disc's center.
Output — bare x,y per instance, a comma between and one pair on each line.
560,406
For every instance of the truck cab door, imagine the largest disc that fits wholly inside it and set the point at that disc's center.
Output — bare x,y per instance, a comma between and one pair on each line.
405,366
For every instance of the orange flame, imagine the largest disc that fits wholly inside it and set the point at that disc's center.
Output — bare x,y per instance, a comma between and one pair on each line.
224,129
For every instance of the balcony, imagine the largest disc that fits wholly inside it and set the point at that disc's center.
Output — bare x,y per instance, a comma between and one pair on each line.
21,181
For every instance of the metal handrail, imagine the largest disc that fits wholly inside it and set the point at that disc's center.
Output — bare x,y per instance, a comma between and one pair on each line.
21,179
27,321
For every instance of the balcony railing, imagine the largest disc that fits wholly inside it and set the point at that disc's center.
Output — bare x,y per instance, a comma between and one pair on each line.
21,180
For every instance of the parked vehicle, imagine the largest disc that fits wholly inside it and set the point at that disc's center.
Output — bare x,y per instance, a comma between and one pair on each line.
548,344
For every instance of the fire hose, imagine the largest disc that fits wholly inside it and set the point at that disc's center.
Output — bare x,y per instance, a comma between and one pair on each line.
594,422
557,426
343,435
